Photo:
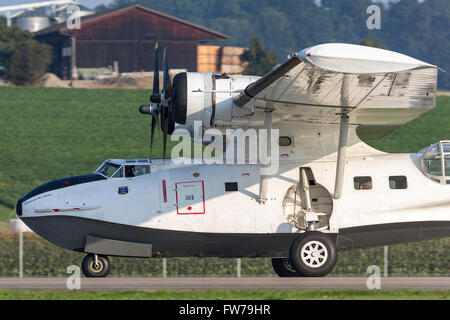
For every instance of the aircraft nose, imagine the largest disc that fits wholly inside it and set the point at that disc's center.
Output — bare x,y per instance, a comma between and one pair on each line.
19,207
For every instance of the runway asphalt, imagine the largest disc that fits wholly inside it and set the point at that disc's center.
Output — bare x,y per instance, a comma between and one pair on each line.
111,283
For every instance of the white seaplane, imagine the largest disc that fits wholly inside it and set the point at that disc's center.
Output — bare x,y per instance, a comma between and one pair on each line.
331,192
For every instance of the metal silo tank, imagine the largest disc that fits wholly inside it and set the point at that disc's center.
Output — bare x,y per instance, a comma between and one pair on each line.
32,24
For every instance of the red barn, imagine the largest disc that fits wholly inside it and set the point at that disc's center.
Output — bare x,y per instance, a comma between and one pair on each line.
126,35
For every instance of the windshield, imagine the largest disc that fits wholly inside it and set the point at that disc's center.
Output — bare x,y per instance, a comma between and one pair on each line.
108,169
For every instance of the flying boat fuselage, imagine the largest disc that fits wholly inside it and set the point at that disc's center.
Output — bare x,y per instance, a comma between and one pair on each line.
213,210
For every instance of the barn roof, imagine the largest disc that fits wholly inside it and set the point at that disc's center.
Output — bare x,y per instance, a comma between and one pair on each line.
61,28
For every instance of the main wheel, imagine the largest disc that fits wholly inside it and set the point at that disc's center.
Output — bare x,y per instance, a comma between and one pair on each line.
313,254
283,267
92,269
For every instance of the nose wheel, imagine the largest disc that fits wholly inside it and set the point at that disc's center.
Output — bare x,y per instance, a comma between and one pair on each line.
95,266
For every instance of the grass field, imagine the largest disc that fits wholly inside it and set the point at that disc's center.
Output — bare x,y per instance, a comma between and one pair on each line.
227,295
429,128
49,133
6,213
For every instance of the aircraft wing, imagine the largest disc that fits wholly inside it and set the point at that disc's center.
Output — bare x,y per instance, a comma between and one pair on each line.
376,86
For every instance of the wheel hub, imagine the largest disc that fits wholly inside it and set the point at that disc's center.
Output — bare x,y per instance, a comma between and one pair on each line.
314,254
96,267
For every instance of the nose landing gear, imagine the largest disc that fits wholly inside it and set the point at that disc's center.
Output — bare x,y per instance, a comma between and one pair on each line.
96,266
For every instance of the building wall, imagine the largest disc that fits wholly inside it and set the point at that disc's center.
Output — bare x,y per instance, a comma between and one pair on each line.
135,56
61,63
129,36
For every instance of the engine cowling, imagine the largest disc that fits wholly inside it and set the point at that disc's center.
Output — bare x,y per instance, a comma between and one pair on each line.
208,98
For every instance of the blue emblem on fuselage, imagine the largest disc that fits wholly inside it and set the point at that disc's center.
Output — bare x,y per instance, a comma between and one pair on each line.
123,190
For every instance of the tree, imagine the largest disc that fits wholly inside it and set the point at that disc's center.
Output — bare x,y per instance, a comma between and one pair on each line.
9,38
370,42
101,8
29,62
260,61
24,59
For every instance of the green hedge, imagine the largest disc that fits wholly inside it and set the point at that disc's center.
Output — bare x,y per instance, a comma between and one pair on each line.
41,258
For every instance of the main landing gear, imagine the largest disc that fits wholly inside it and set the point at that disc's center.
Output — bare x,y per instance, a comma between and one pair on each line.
97,266
313,254
283,267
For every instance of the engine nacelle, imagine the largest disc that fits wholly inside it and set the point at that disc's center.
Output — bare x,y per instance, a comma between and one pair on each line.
208,98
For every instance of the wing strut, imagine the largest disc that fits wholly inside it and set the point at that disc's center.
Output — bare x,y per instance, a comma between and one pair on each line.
343,134
264,180
256,87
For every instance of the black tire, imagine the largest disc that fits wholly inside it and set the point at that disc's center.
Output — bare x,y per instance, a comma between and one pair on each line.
91,271
319,254
283,267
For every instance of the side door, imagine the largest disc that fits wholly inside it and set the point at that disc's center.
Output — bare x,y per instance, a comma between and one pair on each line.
190,197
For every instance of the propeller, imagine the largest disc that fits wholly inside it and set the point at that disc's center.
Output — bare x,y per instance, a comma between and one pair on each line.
162,103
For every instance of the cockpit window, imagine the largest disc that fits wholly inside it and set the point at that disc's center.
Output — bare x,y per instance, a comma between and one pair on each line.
119,173
112,170
108,169
136,170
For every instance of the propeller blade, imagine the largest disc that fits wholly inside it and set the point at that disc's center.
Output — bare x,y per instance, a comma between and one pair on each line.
162,103
154,125
156,70
167,86
164,147
171,121
165,129
156,96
